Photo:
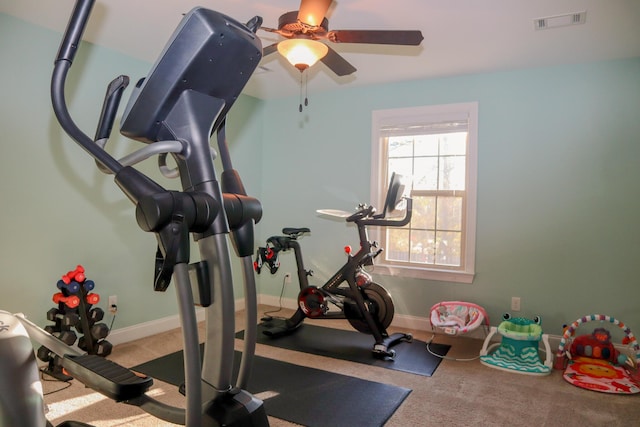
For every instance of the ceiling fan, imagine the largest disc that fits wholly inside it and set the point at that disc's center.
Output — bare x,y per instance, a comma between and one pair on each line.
303,29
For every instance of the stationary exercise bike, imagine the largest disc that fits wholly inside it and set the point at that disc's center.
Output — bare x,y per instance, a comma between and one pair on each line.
365,304
175,110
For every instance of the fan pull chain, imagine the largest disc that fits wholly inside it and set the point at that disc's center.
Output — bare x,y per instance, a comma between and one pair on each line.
306,90
300,106
306,87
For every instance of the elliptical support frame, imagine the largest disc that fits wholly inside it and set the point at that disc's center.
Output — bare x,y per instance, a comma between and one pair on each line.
185,98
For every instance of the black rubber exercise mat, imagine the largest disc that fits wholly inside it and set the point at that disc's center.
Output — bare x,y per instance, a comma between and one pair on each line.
354,346
303,395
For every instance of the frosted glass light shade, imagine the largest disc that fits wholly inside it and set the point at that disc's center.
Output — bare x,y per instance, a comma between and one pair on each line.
302,53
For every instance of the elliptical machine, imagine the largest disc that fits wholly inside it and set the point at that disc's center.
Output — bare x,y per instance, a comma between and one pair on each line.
175,109
365,304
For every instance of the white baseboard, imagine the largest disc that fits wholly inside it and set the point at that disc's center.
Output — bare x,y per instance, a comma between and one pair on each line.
153,327
289,303
142,330
146,329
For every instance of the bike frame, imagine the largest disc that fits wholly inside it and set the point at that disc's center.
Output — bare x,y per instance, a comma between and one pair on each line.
363,217
347,273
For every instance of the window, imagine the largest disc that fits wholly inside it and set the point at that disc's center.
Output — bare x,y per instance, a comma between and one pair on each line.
434,148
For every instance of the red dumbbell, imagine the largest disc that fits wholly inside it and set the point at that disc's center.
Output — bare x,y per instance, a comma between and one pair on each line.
92,299
71,301
77,275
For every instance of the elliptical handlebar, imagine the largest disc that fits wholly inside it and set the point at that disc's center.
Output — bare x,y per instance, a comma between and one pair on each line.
110,107
135,181
63,62
95,147
112,98
75,29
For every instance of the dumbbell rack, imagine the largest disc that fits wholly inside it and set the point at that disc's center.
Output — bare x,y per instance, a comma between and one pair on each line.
75,301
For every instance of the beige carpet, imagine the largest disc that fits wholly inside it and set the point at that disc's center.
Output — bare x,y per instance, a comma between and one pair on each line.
458,394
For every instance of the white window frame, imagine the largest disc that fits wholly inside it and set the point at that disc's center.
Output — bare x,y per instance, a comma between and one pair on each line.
427,115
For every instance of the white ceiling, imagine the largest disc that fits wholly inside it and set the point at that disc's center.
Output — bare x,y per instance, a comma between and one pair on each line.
460,36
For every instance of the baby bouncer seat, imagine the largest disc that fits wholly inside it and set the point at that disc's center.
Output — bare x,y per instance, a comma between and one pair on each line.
456,318
518,350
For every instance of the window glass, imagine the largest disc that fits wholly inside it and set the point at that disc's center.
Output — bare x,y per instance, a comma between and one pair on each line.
434,148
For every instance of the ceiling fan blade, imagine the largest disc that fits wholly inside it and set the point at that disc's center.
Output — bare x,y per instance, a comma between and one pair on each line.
312,12
269,49
397,37
337,63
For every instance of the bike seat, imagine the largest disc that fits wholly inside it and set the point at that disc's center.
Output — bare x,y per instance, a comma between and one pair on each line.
291,231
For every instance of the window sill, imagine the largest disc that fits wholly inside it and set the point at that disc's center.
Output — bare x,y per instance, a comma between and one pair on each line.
422,273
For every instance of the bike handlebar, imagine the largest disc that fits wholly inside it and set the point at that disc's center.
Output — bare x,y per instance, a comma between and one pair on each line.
365,216
363,211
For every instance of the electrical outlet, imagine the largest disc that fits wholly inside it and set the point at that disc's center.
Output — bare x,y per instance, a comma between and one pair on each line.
113,304
515,303
287,278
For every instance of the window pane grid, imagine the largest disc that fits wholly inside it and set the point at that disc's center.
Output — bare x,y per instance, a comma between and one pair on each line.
437,163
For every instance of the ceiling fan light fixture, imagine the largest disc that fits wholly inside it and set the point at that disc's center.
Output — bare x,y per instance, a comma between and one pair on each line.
302,53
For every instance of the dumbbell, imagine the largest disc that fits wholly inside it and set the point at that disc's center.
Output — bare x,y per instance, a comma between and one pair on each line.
66,319
88,285
95,315
70,319
99,331
82,344
52,314
103,348
92,299
44,354
77,275
72,301
72,287
68,337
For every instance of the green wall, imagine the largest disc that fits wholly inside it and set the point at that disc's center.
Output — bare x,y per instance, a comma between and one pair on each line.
557,186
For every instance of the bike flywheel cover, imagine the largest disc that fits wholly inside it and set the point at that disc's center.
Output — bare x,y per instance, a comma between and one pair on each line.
311,302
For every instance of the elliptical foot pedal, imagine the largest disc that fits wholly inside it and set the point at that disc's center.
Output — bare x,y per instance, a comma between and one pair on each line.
107,377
